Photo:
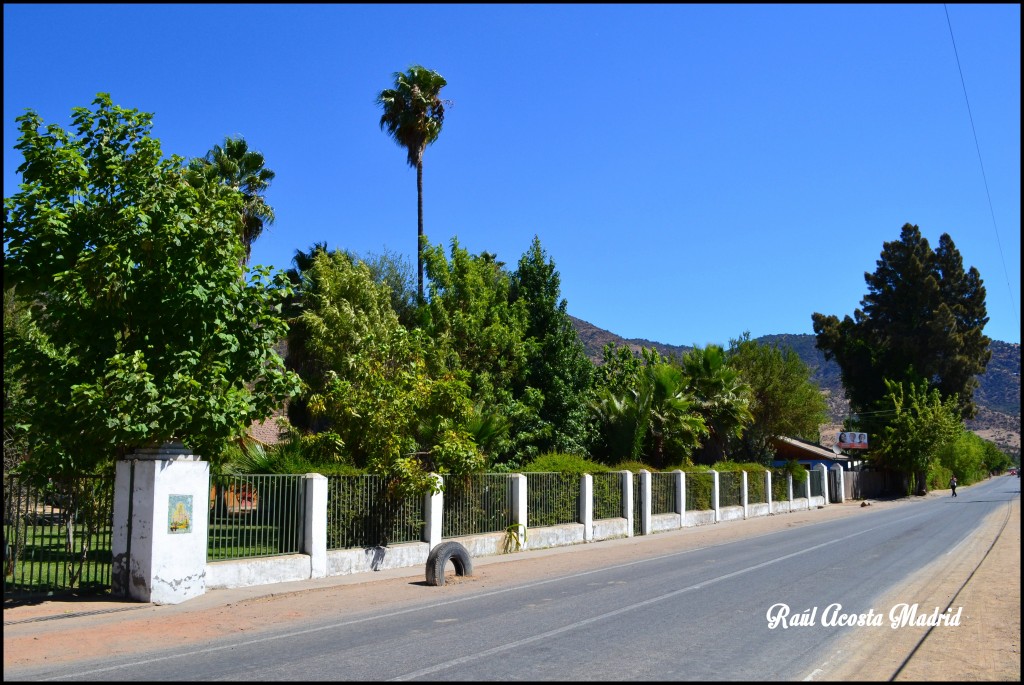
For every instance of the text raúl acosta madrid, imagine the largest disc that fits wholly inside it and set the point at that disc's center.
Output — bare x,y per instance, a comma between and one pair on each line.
899,616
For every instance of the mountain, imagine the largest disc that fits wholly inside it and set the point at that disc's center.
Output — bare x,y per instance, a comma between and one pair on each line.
997,396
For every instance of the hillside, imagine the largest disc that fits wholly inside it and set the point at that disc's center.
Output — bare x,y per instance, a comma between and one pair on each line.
997,397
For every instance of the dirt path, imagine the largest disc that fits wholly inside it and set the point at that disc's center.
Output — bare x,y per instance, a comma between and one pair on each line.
983,577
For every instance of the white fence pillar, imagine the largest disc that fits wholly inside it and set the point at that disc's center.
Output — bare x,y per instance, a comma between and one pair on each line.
519,504
586,513
714,496
314,541
627,501
434,510
768,489
160,525
680,479
822,471
746,496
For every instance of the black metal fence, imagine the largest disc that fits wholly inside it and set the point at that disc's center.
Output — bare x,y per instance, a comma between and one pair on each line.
607,495
477,504
57,536
552,499
255,516
663,493
370,511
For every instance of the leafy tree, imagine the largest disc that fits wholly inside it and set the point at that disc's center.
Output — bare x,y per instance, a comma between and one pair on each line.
922,422
783,401
299,358
236,166
142,327
645,410
479,335
16,402
394,271
556,363
921,320
377,393
413,114
722,399
673,414
620,367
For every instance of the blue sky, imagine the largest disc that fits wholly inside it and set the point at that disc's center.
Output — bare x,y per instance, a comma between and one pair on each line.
694,171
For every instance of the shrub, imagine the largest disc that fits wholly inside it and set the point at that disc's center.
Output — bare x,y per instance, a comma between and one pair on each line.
559,462
633,466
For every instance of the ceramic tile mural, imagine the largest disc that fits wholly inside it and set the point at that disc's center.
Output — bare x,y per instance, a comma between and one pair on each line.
179,514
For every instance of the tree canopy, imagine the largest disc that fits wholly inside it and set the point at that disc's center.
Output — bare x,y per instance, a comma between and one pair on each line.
922,319
241,169
142,327
784,400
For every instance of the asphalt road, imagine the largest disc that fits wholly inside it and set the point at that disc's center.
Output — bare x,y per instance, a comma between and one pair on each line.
688,614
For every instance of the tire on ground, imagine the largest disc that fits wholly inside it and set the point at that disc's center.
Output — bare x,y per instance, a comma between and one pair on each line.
439,558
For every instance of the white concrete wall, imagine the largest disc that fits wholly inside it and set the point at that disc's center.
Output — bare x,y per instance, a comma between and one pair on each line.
731,513
606,529
342,562
258,571
663,522
699,518
556,536
758,509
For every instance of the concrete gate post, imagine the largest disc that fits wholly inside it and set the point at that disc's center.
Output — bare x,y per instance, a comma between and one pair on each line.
161,509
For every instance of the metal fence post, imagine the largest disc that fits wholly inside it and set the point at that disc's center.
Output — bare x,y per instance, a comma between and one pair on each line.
680,479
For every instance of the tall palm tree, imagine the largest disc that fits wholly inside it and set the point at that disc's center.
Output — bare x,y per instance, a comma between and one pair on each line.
236,166
413,116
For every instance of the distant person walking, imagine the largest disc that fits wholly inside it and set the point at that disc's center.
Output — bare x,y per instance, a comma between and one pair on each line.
952,485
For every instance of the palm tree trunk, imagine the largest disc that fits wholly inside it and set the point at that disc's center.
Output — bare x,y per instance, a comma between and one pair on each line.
419,231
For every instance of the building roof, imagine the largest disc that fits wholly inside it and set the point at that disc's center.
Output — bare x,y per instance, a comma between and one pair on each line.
792,448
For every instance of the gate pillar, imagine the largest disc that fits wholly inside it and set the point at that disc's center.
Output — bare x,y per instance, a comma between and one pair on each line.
161,508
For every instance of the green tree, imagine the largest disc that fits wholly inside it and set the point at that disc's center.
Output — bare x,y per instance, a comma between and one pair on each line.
721,396
556,363
921,424
413,114
16,402
237,167
142,327
479,335
921,320
644,410
376,391
783,400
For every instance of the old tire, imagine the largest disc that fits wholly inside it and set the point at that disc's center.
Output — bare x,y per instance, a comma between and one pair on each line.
439,557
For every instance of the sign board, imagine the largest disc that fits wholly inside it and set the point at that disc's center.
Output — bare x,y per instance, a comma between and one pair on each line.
853,441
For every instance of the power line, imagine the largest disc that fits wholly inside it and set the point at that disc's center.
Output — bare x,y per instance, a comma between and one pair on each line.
963,84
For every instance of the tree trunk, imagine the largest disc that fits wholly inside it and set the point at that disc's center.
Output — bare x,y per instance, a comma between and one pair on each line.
922,482
419,227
